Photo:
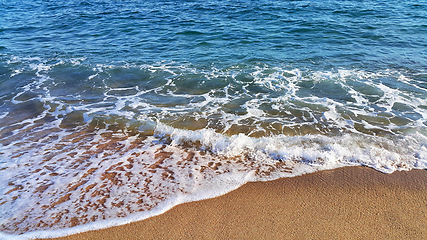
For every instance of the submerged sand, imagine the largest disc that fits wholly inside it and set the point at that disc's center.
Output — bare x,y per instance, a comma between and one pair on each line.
345,203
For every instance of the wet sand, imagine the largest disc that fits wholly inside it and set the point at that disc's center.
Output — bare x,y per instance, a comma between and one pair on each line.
346,203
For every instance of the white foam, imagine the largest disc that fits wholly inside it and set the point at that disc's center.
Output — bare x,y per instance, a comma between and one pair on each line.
350,148
4,114
186,165
315,153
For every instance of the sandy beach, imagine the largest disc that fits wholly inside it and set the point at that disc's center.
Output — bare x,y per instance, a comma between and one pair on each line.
346,203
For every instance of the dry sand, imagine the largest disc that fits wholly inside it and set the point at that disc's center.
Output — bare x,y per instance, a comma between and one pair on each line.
346,203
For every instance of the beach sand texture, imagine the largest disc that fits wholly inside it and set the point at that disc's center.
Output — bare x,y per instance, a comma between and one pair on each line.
345,203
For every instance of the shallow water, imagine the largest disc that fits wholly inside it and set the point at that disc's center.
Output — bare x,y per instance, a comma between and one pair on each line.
112,112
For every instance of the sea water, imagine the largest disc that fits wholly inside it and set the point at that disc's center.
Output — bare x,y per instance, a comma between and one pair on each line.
115,111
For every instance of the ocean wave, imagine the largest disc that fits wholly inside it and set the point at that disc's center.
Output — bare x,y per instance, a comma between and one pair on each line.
109,144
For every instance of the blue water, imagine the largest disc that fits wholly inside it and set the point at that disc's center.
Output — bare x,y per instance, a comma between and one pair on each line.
321,35
102,102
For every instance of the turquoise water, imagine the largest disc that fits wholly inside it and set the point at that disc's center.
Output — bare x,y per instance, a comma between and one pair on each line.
114,111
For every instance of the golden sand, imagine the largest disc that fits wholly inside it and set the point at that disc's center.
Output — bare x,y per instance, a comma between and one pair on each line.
346,203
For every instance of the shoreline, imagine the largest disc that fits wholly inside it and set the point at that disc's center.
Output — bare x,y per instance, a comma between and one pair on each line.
349,202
